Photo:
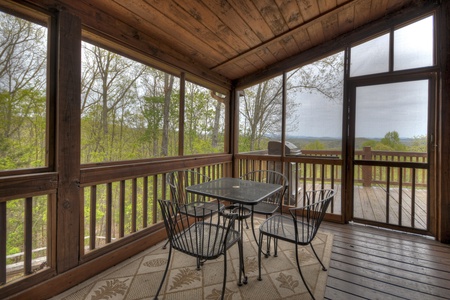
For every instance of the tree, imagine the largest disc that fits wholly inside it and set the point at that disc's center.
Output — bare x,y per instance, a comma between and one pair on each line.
392,140
261,105
23,60
109,92
261,109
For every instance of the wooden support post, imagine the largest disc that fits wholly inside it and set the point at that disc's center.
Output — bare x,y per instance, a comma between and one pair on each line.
67,128
443,201
367,170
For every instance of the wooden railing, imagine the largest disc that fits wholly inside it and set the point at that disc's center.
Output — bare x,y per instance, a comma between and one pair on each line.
304,172
126,204
368,175
119,205
119,200
323,169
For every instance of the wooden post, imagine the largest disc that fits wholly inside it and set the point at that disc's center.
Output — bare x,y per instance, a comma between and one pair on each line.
367,170
443,198
67,128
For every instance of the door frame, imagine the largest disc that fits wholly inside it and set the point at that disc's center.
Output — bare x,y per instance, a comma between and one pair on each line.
349,142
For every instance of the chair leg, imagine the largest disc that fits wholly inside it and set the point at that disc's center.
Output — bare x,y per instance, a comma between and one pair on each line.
259,256
300,271
165,273
241,264
224,274
267,253
314,251
165,245
275,246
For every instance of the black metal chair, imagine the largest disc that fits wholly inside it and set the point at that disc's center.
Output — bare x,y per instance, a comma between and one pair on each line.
205,239
178,181
271,204
300,227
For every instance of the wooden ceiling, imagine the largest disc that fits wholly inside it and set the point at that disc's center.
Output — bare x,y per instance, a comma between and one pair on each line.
229,39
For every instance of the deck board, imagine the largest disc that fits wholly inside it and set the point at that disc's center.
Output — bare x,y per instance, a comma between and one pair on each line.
370,204
373,263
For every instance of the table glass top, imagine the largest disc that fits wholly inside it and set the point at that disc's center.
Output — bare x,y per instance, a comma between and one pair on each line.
235,190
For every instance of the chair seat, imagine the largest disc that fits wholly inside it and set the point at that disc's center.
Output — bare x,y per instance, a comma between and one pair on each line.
263,208
283,228
202,209
205,240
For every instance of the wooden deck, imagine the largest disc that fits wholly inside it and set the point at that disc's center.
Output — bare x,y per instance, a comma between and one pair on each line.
373,263
370,204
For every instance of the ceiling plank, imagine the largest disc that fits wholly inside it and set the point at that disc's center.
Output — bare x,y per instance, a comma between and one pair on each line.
309,9
326,6
346,19
180,24
291,13
363,9
272,15
137,16
228,15
248,12
329,25
198,12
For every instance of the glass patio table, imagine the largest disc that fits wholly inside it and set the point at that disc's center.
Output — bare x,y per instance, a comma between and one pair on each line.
239,192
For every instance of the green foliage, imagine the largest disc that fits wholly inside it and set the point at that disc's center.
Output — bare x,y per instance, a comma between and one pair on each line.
315,145
390,142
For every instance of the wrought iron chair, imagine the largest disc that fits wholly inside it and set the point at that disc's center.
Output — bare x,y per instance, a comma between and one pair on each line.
271,204
205,239
300,227
178,181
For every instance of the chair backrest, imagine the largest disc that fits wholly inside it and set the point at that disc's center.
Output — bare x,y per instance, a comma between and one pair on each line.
179,180
207,238
308,218
269,176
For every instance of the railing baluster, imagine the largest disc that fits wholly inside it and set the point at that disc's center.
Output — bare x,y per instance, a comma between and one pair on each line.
400,196
92,217
3,244
133,204
388,178
108,212
122,209
28,256
413,199
145,202
155,198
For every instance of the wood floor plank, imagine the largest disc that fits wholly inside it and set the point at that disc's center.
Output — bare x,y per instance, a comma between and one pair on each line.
381,286
335,294
358,286
417,266
406,251
413,282
372,263
390,236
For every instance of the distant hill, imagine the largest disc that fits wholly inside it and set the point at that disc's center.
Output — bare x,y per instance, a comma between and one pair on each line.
336,144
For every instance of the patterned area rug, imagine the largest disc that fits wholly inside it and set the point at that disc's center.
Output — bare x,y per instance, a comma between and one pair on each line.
139,277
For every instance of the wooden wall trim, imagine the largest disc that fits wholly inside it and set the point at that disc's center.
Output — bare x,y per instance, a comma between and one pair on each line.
68,140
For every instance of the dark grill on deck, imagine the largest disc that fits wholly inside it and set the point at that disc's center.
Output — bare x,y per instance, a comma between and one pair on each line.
275,148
